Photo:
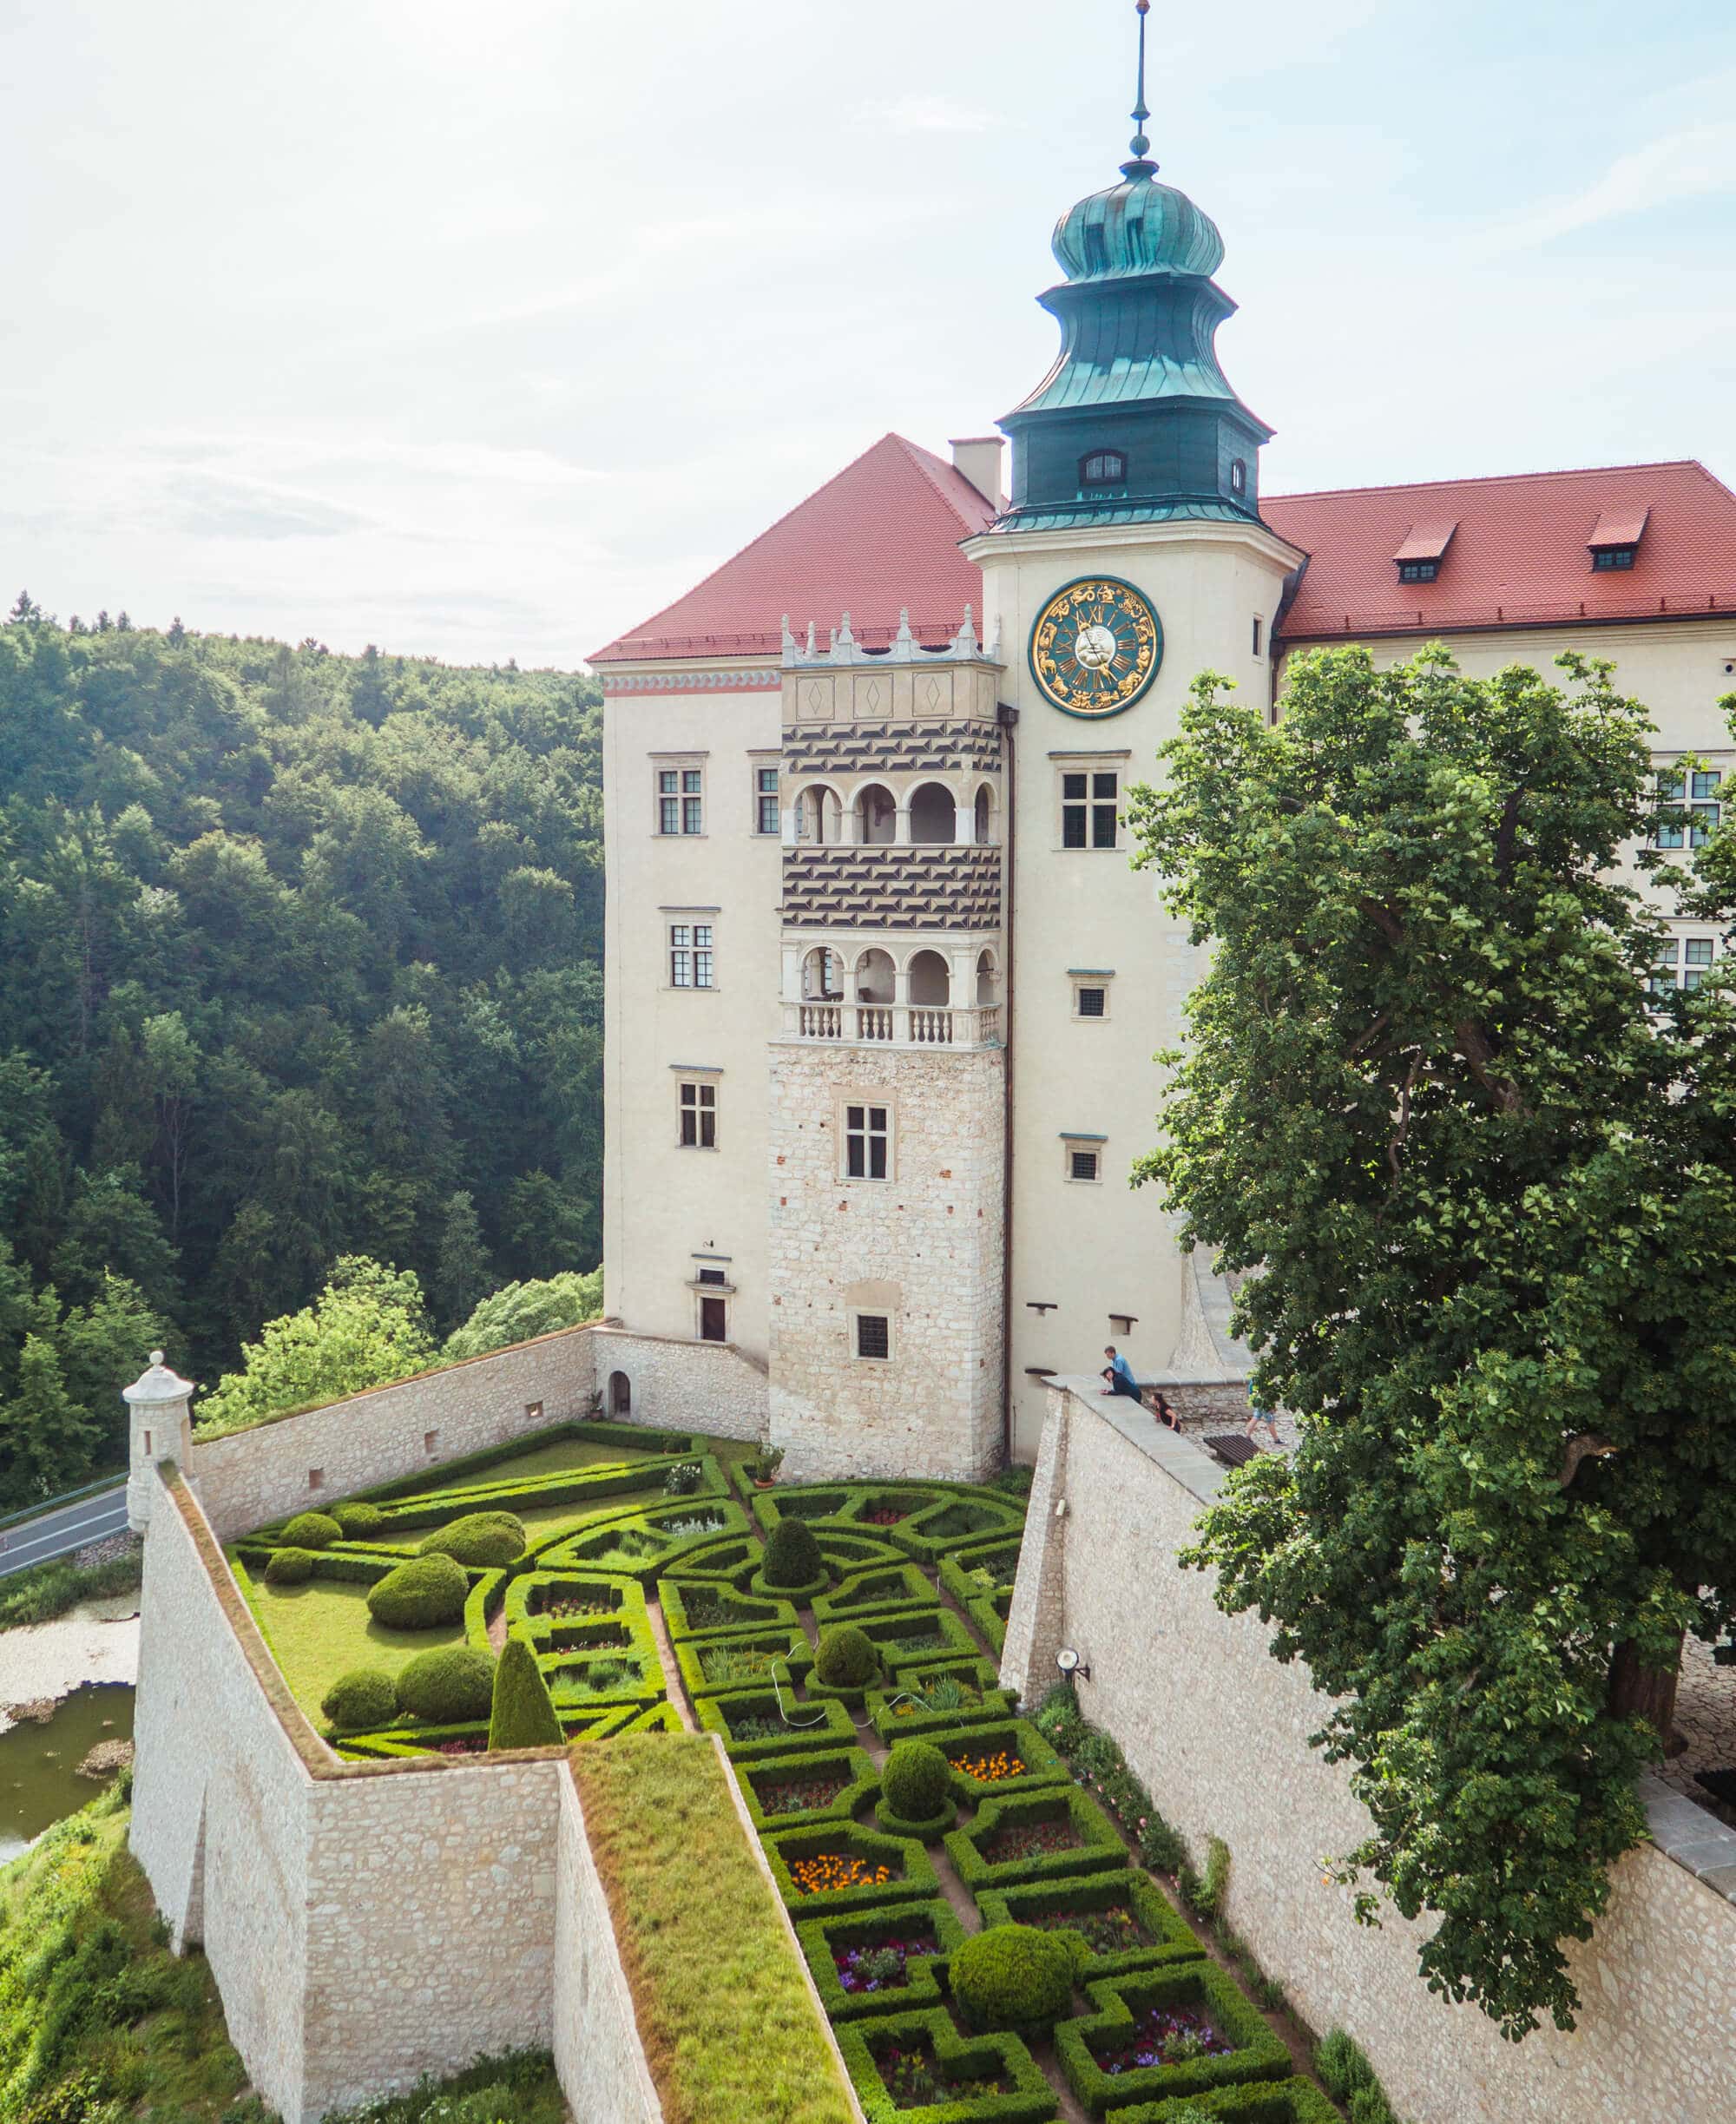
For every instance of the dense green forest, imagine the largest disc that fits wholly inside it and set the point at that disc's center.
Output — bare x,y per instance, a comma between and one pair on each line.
302,960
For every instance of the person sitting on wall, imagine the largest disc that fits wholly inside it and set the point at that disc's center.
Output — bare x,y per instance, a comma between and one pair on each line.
1119,1379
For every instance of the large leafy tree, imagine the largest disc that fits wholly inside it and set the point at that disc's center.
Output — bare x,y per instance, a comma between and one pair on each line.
1485,1190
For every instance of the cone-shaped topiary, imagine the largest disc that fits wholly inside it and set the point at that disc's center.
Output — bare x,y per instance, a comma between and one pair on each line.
367,1696
484,1540
311,1530
360,1519
845,1658
523,1713
451,1683
917,1781
792,1556
289,1567
1013,1977
420,1595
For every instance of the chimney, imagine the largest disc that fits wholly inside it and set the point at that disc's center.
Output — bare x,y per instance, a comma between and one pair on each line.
978,458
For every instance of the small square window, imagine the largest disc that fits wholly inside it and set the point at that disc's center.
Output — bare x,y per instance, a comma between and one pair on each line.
698,1116
1082,1165
316,1478
431,1442
873,1335
1104,467
1092,999
765,818
533,1412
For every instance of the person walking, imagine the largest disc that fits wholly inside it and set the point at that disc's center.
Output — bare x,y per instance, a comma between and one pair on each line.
1118,1375
1258,1415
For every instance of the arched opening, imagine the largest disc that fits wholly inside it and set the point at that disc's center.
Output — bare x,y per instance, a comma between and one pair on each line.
822,977
988,982
985,817
934,816
876,817
620,1396
819,817
930,981
876,981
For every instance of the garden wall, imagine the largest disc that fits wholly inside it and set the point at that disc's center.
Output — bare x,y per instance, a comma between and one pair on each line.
704,1386
246,1477
597,2052
1219,1731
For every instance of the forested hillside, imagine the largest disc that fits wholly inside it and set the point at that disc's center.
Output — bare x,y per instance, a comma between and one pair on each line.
302,959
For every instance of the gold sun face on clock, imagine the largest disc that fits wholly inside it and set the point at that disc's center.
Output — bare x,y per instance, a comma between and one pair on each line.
1095,647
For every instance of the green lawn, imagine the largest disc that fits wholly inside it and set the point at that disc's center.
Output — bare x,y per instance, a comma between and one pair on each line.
543,1521
556,1459
322,1629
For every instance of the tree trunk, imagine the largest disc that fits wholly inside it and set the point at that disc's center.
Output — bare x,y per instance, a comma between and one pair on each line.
1648,1692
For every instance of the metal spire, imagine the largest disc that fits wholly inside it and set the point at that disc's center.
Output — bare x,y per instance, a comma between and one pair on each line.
1140,167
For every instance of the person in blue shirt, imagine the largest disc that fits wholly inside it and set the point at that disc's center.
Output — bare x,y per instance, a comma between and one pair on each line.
1118,1375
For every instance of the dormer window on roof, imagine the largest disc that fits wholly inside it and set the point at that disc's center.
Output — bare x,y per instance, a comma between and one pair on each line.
1103,468
1422,550
1614,542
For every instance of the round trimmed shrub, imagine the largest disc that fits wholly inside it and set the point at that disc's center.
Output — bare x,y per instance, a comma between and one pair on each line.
359,1520
523,1712
311,1530
792,1556
917,1781
420,1595
845,1658
447,1685
1013,1977
289,1567
484,1540
367,1696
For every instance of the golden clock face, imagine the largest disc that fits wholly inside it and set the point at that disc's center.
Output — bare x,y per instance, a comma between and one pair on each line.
1095,647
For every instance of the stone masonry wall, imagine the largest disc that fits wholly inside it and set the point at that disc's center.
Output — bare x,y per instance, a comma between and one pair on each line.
1219,1732
703,1386
247,1477
924,1248
598,2056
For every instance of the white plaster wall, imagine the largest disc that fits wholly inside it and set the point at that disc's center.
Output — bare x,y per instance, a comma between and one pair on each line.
598,2056
663,1204
1218,1730
246,1477
682,1385
1080,1248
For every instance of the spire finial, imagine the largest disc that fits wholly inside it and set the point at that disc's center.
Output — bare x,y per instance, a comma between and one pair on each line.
1141,166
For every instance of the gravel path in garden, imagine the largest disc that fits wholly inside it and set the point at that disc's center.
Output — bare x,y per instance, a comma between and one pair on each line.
672,1687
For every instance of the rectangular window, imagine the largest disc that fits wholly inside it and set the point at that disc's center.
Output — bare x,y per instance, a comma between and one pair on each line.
690,954
1606,557
680,800
711,1275
873,1335
1258,630
1697,953
867,1138
1089,806
713,1320
1671,790
698,1117
765,819
1091,1002
1703,787
1418,571
1083,1165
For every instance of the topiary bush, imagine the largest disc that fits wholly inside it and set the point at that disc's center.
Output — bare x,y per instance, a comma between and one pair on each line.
367,1696
311,1530
792,1556
360,1519
485,1541
447,1685
845,1658
420,1595
289,1567
1013,1977
522,1714
918,1781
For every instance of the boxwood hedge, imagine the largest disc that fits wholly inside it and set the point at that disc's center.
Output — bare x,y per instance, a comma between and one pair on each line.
910,1876
695,1608
744,1660
824,1939
850,1768
830,1724
1264,2101
865,2042
1013,1741
1257,2053
1040,1902
897,1713
1099,1848
881,1587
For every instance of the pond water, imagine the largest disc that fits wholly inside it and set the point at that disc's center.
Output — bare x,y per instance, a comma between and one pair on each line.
39,1779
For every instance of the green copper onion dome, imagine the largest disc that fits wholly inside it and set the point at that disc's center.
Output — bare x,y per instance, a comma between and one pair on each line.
1137,226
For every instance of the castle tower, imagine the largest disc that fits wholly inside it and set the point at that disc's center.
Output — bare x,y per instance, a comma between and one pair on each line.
160,1426
888,1108
1131,557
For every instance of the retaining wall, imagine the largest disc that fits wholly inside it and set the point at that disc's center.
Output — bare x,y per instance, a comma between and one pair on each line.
597,2052
1218,1730
704,1386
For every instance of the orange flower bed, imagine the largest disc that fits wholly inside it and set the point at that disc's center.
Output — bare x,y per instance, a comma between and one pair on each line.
990,1769
829,1871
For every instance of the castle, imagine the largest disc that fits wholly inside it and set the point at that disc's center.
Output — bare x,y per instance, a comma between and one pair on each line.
884,990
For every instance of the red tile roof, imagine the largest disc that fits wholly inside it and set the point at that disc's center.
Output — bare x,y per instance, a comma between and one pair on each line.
1519,555
881,539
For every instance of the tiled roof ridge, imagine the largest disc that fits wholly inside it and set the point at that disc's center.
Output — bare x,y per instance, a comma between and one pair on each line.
1501,479
940,476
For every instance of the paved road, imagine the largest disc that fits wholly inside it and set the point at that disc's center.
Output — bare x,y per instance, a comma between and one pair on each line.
58,1533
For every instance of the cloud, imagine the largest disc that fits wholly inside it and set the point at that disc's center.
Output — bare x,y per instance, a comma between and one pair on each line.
926,114
1697,163
215,507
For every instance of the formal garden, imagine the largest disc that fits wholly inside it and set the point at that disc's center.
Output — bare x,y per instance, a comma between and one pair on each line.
973,1881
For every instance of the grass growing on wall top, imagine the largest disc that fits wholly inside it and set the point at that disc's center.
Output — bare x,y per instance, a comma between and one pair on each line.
702,1940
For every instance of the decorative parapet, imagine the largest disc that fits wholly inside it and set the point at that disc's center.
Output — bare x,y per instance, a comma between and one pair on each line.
842,647
936,886
846,682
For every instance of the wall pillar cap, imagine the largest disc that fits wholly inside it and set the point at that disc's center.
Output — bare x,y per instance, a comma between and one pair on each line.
158,1384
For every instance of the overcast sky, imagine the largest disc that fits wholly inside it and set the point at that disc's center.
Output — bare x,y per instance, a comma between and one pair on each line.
483,331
